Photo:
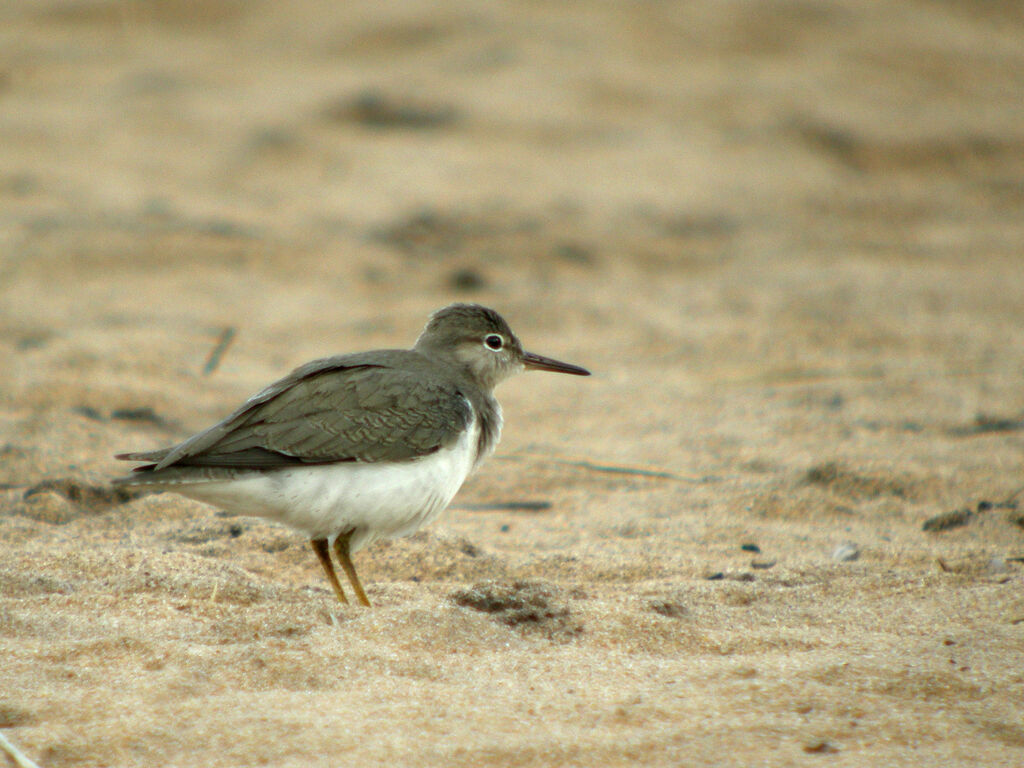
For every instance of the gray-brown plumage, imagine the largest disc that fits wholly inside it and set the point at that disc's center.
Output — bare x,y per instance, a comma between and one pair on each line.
357,447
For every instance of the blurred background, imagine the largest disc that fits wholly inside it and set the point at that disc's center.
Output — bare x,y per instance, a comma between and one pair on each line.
705,192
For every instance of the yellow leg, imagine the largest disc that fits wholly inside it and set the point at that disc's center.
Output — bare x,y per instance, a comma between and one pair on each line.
324,555
341,550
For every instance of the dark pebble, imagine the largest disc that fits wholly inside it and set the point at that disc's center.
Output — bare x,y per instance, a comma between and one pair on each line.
672,609
819,747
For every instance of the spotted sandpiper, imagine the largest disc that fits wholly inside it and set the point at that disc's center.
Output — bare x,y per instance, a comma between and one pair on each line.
355,448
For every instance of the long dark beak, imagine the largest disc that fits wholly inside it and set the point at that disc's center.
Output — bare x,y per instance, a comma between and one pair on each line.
541,363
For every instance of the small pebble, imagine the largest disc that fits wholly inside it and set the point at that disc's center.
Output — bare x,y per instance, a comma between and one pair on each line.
819,747
672,609
998,565
846,552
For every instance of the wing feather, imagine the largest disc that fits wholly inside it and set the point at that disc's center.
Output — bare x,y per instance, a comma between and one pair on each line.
339,409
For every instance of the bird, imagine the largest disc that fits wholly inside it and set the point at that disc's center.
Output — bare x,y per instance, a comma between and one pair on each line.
359,447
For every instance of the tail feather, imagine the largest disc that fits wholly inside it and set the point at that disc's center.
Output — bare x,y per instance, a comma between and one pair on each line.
139,473
144,477
153,456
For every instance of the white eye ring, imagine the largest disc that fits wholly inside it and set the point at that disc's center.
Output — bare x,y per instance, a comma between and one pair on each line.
493,342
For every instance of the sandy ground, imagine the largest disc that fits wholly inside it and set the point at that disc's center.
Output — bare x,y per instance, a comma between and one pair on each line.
786,237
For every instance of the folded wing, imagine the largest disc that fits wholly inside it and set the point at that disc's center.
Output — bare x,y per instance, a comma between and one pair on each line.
339,409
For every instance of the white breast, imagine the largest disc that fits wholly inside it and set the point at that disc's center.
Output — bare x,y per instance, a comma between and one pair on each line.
376,500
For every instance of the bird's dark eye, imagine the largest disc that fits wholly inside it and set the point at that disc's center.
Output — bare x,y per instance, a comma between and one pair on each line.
494,341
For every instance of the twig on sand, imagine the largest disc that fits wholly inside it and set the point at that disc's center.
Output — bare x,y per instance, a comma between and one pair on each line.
15,754
608,468
223,342
507,506
1008,501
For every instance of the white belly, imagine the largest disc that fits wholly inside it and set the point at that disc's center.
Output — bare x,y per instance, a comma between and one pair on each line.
375,500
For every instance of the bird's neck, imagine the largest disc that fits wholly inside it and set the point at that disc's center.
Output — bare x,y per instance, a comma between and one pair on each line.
488,416
479,393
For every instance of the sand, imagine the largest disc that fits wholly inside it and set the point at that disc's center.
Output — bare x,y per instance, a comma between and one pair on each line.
786,237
